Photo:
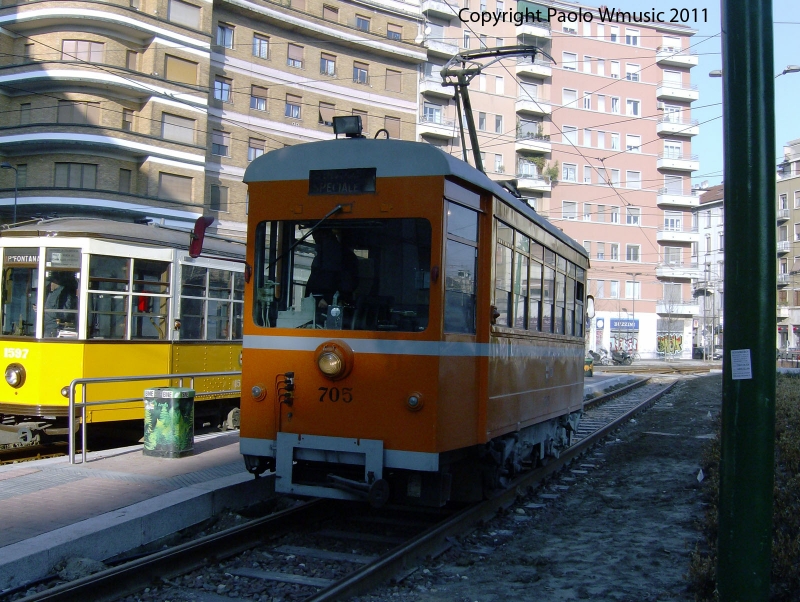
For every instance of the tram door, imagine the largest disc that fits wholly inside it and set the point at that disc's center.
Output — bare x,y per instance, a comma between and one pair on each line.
19,290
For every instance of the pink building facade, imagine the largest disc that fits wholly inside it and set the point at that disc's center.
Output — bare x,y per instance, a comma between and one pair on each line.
599,142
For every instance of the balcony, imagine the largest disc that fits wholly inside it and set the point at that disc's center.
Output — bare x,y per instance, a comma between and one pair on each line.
678,269
781,215
533,182
538,29
532,143
538,105
539,67
677,91
783,280
678,235
677,307
678,161
783,246
675,57
437,127
440,47
665,198
430,85
438,10
677,127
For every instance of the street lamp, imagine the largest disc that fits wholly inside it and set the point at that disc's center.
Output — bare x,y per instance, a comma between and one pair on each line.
633,319
789,69
6,165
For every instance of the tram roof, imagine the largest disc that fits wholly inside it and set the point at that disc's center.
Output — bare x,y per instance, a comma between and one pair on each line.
125,232
418,159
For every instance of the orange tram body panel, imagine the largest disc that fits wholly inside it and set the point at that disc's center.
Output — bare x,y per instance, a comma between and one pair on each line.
412,332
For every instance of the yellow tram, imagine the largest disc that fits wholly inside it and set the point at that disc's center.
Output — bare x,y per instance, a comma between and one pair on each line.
441,349
88,298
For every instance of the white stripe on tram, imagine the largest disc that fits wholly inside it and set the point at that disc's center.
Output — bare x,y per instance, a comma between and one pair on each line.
505,348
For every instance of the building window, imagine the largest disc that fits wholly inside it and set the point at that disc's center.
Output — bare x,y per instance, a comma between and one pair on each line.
293,104
260,46
797,199
632,37
360,73
601,250
24,113
362,23
81,50
632,72
569,172
615,173
75,175
673,150
498,164
258,98
569,61
131,60
614,104
614,247
127,120
180,70
633,179
633,289
466,39
499,7
482,121
498,124
587,100
600,290
482,41
294,57
27,53
80,113
223,89
364,119
569,134
219,198
633,107
184,13
613,289
633,143
220,143
601,67
394,80
326,113
394,32
721,241
632,253
587,174
255,148
499,85
179,129
615,69
327,64
174,187
432,113
614,214
330,13
569,210
392,125
614,141
225,35
633,217
614,34
298,4
569,98
125,180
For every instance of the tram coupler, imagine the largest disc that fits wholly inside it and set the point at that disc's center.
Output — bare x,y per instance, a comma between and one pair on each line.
376,493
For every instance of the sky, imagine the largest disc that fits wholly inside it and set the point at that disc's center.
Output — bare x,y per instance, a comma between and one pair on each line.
708,110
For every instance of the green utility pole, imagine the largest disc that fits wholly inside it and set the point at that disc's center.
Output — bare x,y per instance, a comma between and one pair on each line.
748,390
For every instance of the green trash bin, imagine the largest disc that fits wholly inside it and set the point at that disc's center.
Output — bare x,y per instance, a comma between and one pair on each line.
168,422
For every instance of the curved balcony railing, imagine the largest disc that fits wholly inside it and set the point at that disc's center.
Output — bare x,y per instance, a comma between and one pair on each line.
678,121
678,85
678,156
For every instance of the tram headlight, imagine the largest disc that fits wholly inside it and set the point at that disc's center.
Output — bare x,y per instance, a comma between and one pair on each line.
15,375
414,402
330,364
334,359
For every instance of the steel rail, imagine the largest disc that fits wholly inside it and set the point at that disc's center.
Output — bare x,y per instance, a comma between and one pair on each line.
131,577
615,393
126,579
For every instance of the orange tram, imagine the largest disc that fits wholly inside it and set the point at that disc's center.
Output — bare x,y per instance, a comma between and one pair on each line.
413,332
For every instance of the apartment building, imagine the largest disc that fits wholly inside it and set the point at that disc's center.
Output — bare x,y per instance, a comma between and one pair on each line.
788,247
708,257
152,109
599,141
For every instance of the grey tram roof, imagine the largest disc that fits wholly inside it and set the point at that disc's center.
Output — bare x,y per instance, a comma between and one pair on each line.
122,232
391,158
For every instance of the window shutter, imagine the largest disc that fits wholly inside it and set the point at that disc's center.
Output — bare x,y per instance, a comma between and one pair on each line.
174,187
295,52
184,13
177,128
393,80
392,125
180,70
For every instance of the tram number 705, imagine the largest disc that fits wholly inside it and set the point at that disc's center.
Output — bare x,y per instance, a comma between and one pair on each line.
335,394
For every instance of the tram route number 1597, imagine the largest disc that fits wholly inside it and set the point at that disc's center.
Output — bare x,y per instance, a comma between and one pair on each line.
335,394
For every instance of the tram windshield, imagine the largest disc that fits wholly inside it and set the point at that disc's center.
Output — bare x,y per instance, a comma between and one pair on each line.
345,275
20,290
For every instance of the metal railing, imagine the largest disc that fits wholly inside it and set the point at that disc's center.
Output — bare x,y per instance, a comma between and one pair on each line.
678,156
667,191
83,404
679,85
678,121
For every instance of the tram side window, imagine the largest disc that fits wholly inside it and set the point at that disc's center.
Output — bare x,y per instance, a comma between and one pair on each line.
502,284
109,279
61,304
580,289
211,304
461,269
20,281
559,310
549,293
151,289
534,320
521,280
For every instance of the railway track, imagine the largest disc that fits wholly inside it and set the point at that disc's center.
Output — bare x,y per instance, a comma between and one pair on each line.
326,550
10,455
654,369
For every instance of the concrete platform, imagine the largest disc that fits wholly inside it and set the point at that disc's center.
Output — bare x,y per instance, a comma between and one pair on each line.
121,499
116,502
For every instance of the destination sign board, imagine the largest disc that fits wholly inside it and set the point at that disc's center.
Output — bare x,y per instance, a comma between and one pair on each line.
341,181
